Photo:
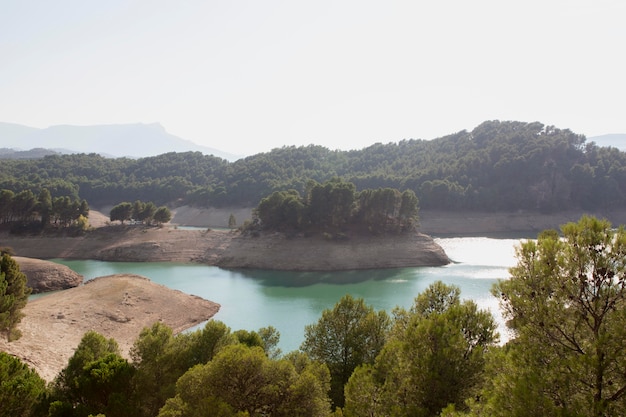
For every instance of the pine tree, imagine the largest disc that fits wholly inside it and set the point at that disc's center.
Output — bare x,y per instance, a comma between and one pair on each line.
13,297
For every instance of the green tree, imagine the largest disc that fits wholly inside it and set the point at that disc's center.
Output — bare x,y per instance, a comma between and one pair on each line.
121,212
270,337
147,213
44,206
92,347
435,357
161,358
162,215
105,386
241,381
232,221
566,303
21,388
13,296
409,210
349,335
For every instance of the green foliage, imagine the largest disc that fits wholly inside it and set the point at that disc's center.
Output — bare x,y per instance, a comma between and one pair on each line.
96,380
21,388
161,359
349,335
435,357
122,212
13,296
566,303
162,215
139,211
335,205
242,380
27,212
499,165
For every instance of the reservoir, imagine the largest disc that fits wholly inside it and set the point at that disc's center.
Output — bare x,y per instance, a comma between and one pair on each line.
251,299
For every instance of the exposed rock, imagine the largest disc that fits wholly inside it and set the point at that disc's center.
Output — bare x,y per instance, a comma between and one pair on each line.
276,251
117,306
44,276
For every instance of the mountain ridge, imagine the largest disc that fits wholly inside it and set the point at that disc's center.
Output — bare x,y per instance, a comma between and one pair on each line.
133,140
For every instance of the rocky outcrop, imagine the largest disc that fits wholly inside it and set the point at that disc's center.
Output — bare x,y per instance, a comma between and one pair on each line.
44,276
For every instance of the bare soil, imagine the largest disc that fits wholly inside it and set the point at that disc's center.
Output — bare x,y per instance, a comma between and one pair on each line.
117,306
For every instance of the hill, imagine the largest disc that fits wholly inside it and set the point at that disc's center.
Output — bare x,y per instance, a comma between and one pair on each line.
117,140
499,166
616,140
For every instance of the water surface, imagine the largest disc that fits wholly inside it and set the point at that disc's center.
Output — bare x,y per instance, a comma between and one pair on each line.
251,299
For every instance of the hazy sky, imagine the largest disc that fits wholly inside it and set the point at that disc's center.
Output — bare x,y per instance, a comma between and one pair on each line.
248,76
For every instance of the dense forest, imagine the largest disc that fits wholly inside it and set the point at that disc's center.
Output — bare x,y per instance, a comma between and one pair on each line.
499,165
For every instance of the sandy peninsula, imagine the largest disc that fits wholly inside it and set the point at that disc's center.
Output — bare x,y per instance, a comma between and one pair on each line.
117,306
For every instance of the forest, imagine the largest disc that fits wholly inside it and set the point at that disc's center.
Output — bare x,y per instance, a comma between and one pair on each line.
566,355
498,166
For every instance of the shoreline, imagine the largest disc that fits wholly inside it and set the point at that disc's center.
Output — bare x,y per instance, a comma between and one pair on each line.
231,250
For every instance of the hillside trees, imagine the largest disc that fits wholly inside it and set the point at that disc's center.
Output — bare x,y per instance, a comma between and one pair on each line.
499,165
25,208
13,297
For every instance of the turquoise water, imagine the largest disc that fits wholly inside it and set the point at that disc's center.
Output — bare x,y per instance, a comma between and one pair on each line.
251,299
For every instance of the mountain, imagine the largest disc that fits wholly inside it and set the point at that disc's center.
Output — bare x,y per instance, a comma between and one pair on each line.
117,140
616,140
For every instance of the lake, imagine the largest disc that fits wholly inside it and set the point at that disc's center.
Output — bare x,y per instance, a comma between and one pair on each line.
251,299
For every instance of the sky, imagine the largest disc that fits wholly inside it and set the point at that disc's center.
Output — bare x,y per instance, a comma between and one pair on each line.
249,76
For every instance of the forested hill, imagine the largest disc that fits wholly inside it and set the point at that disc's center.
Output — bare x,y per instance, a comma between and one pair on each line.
496,166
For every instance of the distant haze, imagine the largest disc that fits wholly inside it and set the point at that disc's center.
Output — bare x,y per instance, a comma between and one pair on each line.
138,140
616,140
132,140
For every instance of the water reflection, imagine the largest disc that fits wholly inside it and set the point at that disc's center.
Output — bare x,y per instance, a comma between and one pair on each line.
305,279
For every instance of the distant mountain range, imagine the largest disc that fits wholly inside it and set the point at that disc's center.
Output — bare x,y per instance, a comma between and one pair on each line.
130,140
616,140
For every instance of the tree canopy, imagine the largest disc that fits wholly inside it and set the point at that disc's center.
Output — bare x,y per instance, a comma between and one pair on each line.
335,206
499,165
566,303
13,296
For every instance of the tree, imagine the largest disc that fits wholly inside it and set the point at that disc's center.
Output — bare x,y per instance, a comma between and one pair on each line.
162,215
161,358
121,212
21,388
566,303
44,206
434,357
349,335
243,381
13,296
232,221
92,347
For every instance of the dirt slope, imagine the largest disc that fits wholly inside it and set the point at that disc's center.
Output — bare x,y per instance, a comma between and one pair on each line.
117,306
